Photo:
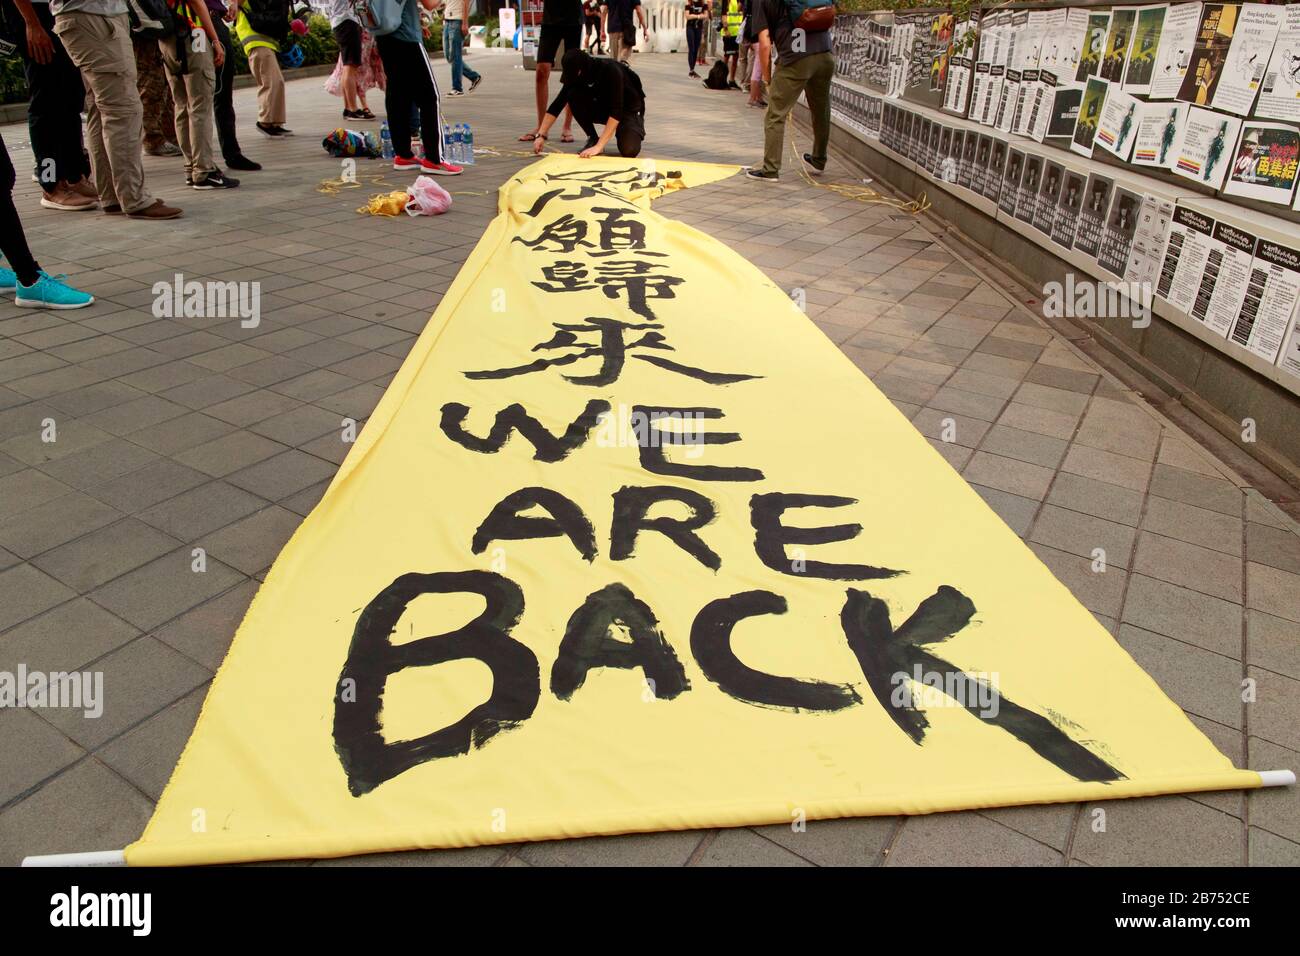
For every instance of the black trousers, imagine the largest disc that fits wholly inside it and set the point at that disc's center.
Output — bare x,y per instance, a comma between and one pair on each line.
410,83
694,34
12,241
223,102
628,136
54,112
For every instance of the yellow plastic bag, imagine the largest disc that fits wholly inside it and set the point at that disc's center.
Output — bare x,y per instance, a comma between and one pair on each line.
386,204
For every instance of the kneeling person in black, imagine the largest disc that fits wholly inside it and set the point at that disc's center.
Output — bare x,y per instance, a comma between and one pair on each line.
599,91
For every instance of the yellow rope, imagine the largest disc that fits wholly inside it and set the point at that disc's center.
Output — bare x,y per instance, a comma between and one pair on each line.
860,193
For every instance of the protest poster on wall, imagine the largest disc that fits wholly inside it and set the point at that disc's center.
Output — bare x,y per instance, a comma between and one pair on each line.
1227,275
1144,50
1186,252
1252,45
1203,151
1090,107
1117,129
1174,55
1048,197
1158,127
1213,39
1269,306
1092,214
1115,55
1065,220
1265,164
1093,46
1279,94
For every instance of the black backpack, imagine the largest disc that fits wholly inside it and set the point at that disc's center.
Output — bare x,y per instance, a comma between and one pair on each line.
717,78
269,17
150,19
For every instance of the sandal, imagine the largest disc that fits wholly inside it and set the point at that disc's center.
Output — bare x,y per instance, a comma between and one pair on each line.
566,138
527,137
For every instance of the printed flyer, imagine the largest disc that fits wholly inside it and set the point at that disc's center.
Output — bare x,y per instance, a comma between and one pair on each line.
1121,227
966,169
1092,214
1158,128
1186,252
1142,52
1265,164
1177,41
1066,219
1117,129
1048,195
1204,148
1279,95
1230,260
1144,258
1027,200
1269,308
1015,168
993,172
1252,45
1213,38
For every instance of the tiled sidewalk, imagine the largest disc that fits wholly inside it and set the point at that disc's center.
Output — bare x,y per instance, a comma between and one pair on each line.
183,433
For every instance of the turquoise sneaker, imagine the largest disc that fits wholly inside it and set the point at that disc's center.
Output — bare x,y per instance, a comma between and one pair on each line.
49,292
8,280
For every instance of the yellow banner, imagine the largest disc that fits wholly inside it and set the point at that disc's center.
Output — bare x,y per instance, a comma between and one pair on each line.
630,545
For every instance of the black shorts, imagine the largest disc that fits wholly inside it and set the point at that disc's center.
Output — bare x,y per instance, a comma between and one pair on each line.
348,35
730,45
555,33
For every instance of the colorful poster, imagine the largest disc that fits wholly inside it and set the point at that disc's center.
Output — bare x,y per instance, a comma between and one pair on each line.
1252,45
1177,41
1066,217
1115,55
1092,214
1203,152
1093,45
1158,127
1142,54
1186,253
1117,129
1269,308
1265,163
1279,95
1085,128
1213,39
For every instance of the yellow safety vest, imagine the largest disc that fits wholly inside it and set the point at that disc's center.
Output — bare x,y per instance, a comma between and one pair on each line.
250,39
732,19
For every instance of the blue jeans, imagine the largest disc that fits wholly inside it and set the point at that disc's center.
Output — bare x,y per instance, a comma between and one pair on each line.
451,48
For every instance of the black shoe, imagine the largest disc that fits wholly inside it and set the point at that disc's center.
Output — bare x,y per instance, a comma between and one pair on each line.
242,162
215,180
473,84
818,166
756,172
351,114
693,75
733,85
270,130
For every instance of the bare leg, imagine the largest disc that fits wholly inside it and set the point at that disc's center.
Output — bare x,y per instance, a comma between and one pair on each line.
542,83
349,84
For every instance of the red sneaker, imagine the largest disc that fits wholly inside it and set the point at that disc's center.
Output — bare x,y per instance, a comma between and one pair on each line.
439,169
413,163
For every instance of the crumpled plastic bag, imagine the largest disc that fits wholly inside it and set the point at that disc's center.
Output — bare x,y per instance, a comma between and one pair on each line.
427,198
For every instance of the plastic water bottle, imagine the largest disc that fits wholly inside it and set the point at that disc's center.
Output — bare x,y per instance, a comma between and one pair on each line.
469,145
386,141
460,144
448,145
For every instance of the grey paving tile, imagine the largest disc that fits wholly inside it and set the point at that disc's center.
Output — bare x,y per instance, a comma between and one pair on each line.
1083,535
1194,489
147,754
65,638
742,847
103,462
1107,466
229,453
966,839
98,557
200,510
251,544
1154,832
1024,446
1189,565
163,589
1273,643
1092,497
469,856
49,525
1209,529
1268,849
1100,591
1041,421
27,592
30,751
1017,512
1006,474
1273,591
1276,809
1191,616
1199,681
1275,714
635,849
851,842
1273,547
86,806
204,633
148,486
